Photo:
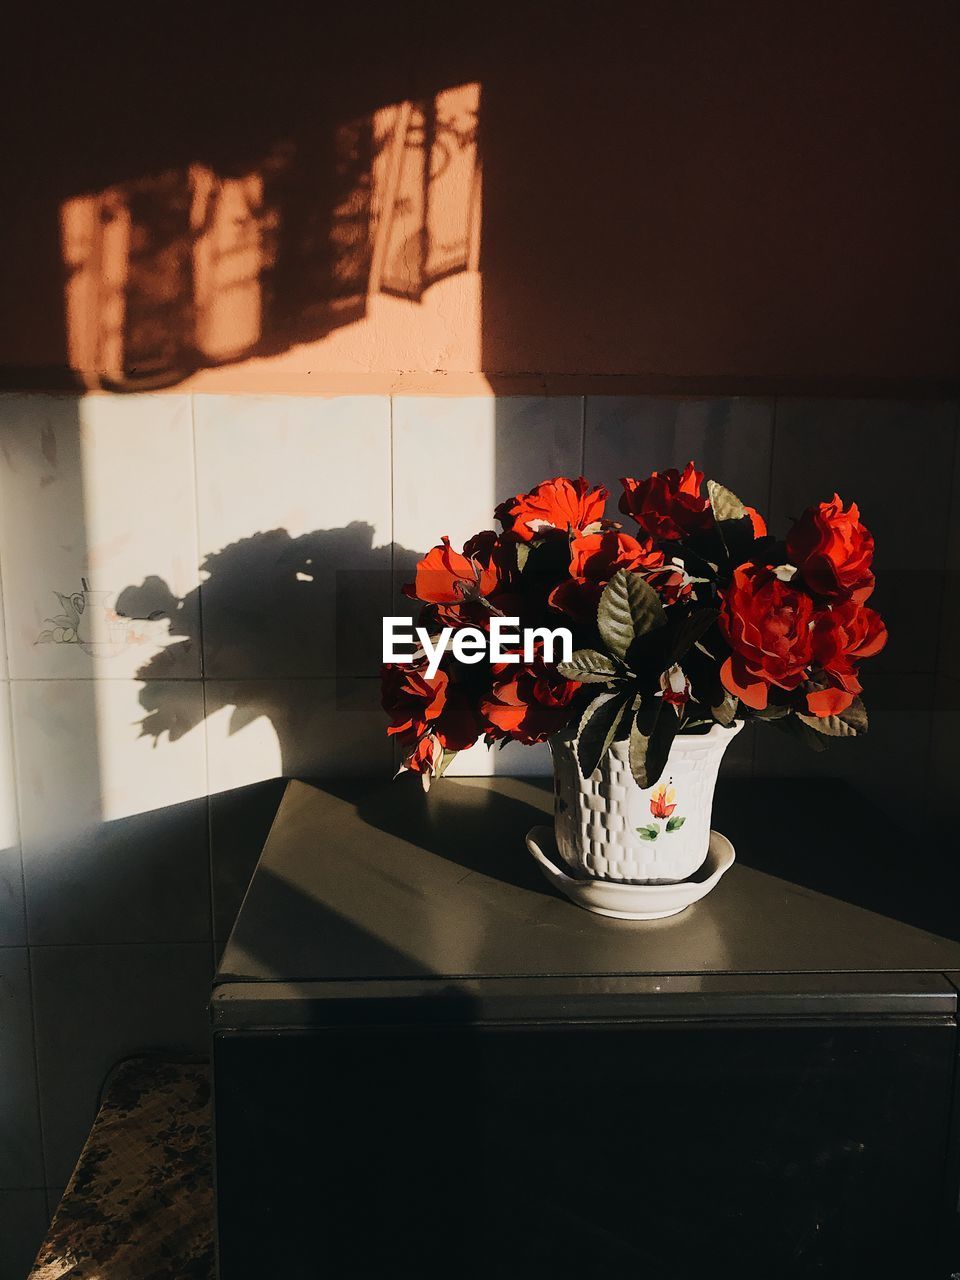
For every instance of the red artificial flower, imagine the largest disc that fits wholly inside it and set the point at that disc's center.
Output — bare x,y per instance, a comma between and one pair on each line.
430,715
841,637
833,551
409,698
594,559
559,504
756,520
766,623
445,576
528,702
667,504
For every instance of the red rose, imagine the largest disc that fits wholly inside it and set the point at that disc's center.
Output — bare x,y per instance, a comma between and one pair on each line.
833,551
528,702
409,698
420,707
766,623
594,559
841,637
555,504
445,576
668,504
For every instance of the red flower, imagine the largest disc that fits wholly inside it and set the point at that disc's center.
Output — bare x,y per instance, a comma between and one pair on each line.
455,582
594,559
833,551
528,702
668,504
554,504
766,623
841,637
410,699
430,715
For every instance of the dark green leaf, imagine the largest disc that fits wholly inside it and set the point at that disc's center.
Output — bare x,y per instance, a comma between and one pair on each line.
597,730
772,711
648,833
686,632
629,607
830,726
649,751
674,824
589,666
856,715
795,727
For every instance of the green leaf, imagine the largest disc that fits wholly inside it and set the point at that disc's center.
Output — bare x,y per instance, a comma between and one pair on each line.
589,666
772,711
597,730
445,761
629,607
724,504
649,749
856,715
523,554
725,712
687,632
674,824
830,726
648,833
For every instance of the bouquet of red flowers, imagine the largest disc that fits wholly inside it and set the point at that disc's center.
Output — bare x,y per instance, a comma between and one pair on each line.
696,616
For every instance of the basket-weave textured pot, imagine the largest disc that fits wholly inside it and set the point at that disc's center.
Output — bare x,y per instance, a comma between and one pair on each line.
609,828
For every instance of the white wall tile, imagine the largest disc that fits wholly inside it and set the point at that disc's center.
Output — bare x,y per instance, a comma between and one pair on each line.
97,490
111,779
294,512
729,440
876,453
259,729
454,460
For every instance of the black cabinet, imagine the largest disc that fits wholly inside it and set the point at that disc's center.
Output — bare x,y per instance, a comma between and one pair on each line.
428,1064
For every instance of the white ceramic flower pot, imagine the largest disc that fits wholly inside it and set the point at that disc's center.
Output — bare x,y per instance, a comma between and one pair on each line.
610,828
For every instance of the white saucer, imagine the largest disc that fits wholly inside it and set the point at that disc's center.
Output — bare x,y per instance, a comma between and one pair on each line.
631,901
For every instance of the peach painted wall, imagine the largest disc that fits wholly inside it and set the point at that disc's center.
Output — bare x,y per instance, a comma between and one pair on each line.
760,196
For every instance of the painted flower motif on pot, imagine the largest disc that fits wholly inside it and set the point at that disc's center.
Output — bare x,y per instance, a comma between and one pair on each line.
663,804
554,505
833,551
663,801
766,623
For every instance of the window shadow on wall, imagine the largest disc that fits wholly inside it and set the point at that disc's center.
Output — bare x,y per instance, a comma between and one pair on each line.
192,197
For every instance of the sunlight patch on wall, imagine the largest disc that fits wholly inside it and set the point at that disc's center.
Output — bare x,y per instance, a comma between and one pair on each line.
326,252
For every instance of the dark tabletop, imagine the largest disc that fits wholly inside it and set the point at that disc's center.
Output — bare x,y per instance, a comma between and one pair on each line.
362,880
